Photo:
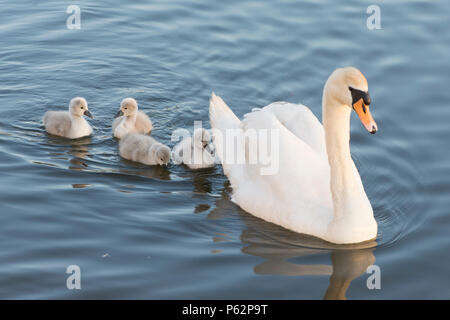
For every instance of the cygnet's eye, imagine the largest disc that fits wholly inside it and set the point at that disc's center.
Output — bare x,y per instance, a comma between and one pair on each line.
82,108
126,108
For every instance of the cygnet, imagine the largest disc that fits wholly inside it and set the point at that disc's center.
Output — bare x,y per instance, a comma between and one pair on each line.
69,124
144,149
130,119
196,151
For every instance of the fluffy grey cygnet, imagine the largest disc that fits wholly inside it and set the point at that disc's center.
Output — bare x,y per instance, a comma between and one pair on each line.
129,119
144,149
69,124
195,151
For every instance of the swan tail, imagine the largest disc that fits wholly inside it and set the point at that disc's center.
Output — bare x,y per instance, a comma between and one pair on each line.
220,113
223,119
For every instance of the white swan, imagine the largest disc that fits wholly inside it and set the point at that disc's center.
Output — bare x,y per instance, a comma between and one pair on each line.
130,119
195,151
69,124
144,149
317,189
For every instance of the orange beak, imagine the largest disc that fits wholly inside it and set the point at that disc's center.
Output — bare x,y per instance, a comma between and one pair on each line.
363,112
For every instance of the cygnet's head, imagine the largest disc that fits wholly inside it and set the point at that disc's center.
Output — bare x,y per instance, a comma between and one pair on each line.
348,86
201,138
162,154
78,107
128,107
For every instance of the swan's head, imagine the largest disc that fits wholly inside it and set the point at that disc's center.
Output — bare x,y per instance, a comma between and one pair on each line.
128,107
349,86
78,107
201,138
162,154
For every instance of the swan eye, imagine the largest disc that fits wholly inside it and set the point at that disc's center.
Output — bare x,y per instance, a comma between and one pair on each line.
82,108
359,94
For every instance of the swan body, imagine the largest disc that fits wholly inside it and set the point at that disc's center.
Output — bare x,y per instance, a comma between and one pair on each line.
130,119
144,149
316,188
69,124
195,152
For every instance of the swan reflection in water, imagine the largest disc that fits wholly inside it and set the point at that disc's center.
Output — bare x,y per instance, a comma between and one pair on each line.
202,186
142,170
278,247
78,152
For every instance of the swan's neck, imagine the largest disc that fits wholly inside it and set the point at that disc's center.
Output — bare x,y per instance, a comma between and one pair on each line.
336,122
131,119
75,118
349,198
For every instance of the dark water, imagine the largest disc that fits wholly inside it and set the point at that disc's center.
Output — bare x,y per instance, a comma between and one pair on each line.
152,232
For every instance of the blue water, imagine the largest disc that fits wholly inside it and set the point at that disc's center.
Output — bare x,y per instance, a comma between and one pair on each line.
153,232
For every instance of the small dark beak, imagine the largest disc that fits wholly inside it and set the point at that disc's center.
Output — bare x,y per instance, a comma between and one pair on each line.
209,148
118,114
88,114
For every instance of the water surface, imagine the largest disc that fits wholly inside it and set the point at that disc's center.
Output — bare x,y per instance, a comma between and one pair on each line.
154,232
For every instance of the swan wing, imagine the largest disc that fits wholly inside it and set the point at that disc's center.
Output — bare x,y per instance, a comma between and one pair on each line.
292,189
302,122
295,168
57,123
143,123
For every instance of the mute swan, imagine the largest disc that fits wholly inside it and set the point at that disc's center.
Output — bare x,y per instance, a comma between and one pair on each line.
317,189
144,149
130,119
69,124
194,151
